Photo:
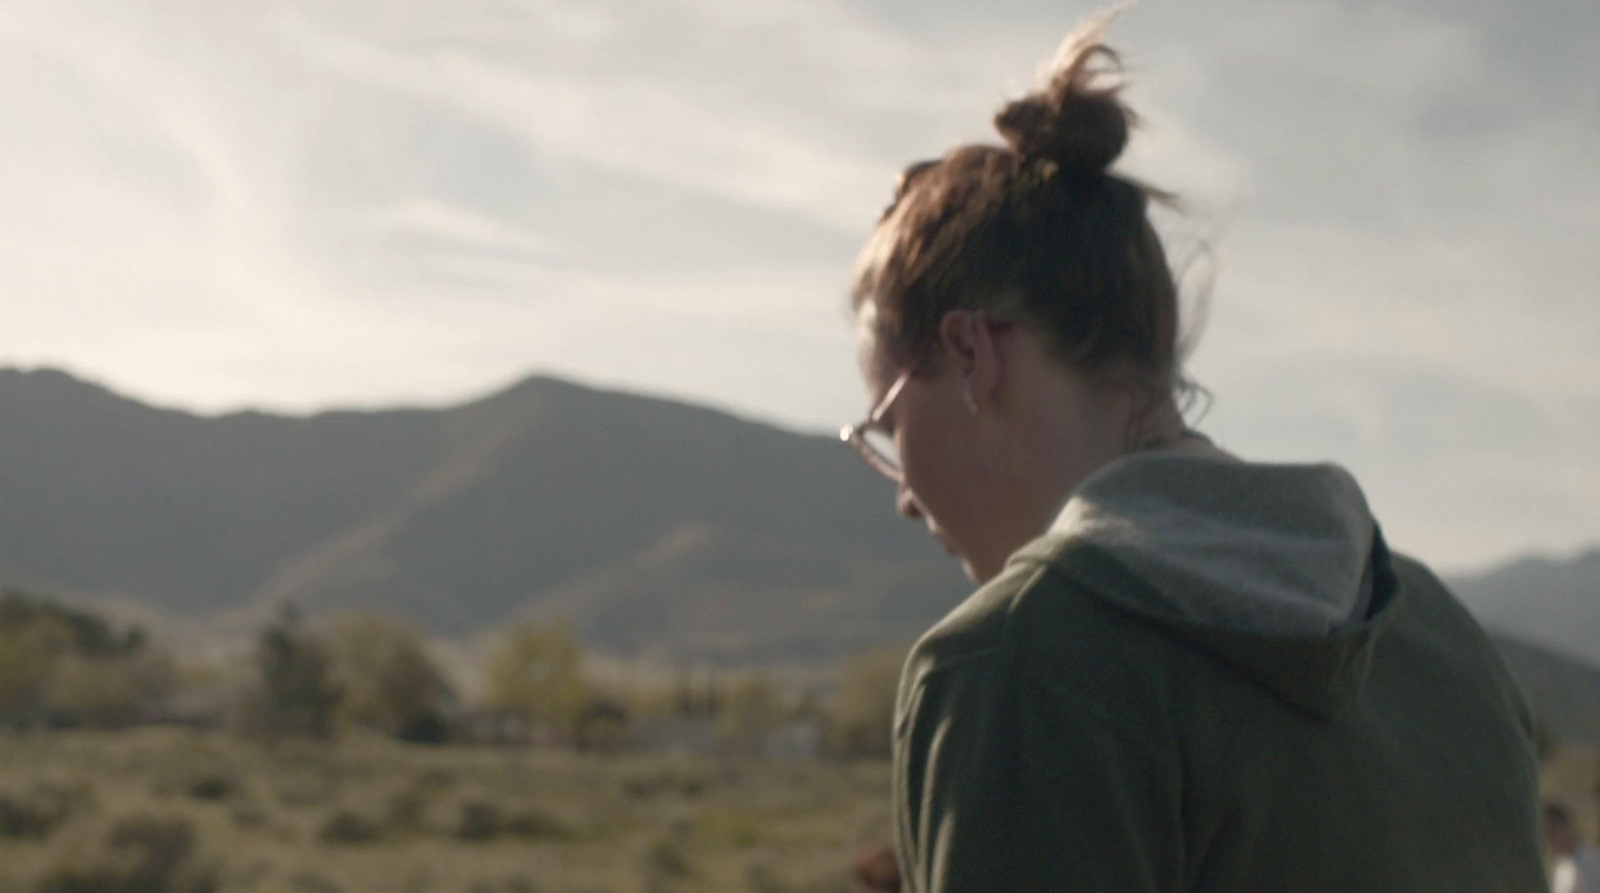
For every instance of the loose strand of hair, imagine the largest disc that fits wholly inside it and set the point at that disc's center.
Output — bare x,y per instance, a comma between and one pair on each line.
1066,68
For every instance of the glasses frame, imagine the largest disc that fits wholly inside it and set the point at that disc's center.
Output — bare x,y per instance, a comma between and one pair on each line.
856,435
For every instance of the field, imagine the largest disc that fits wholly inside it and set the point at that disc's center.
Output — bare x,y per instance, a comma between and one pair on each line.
158,810
176,811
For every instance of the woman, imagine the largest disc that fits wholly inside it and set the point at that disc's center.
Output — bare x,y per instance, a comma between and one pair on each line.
1181,671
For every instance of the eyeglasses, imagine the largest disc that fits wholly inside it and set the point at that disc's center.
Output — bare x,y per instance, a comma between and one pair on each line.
871,440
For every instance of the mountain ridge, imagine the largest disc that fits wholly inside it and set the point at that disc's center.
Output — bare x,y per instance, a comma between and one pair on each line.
651,523
459,516
1545,601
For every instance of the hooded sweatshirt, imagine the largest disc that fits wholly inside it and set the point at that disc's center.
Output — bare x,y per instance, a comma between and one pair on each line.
1210,675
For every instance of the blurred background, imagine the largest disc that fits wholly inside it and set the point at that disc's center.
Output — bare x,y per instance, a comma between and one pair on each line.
416,468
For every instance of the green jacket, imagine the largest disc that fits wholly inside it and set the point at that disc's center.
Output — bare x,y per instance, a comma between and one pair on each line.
1211,676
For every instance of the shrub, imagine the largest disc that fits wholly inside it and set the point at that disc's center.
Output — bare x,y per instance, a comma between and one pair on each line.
20,817
140,853
311,882
429,728
733,827
307,789
213,786
345,826
759,877
407,810
479,821
534,823
435,779
249,814
667,860
39,812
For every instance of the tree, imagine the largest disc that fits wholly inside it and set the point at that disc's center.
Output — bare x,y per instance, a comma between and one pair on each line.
537,673
88,632
64,666
29,651
296,693
389,681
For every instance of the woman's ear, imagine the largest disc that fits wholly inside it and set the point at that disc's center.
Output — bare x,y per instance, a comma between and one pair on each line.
969,346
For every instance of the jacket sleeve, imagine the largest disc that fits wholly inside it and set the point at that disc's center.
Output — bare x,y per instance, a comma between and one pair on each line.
1006,782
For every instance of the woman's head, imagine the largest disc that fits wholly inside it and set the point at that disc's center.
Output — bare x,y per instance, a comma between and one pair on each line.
1038,231
1032,267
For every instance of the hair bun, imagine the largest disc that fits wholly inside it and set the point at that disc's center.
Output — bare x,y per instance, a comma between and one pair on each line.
1076,118
1077,132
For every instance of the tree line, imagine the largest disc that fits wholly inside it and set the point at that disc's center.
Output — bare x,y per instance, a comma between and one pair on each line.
64,666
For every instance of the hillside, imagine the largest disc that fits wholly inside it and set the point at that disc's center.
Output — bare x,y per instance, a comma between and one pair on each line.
650,523
1552,603
656,527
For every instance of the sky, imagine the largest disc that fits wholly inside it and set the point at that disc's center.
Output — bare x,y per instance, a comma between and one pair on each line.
296,205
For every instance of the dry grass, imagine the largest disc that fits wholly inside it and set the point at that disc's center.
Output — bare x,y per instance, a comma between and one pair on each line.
205,811
168,811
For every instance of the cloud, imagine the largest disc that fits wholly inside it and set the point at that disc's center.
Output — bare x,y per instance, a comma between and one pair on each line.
300,204
1452,464
635,125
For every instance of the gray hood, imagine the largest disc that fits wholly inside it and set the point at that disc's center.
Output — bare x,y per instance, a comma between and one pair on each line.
1275,550
1278,570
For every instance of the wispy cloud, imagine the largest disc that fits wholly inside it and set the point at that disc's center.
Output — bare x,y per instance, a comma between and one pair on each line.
298,203
633,124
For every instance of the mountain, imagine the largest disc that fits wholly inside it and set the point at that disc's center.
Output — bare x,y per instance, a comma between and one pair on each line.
653,525
1543,601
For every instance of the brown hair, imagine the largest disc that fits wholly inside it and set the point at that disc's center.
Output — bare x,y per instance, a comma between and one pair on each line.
1038,231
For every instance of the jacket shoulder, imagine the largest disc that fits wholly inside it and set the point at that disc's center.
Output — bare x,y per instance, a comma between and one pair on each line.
1019,611
1039,624
976,628
1438,625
